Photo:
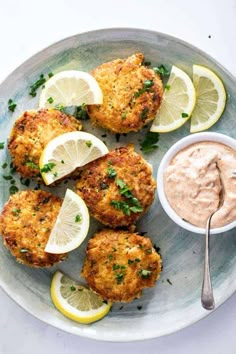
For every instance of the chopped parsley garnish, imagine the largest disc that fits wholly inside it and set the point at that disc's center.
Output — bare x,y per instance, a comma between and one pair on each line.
111,172
184,115
46,200
168,281
119,278
25,182
13,190
41,81
144,113
139,307
115,266
62,161
146,87
149,142
167,87
72,288
144,273
4,165
123,115
81,113
78,218
31,164
16,211
130,261
161,70
2,146
11,105
7,178
60,108
89,143
50,100
48,167
103,186
131,205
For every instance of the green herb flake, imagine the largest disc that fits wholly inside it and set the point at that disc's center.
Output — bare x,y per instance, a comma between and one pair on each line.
130,261
36,85
119,277
31,164
144,113
4,165
168,281
25,182
78,218
72,288
89,143
137,260
7,178
11,105
148,250
111,172
50,75
167,87
50,100
139,307
60,108
144,273
62,161
184,115
162,71
124,115
146,88
110,256
2,146
81,113
48,167
149,142
115,266
16,211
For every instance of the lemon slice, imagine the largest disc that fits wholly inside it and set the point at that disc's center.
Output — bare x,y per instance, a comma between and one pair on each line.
178,102
70,88
65,153
75,301
211,99
71,226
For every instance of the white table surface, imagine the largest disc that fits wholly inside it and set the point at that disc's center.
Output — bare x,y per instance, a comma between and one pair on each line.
27,27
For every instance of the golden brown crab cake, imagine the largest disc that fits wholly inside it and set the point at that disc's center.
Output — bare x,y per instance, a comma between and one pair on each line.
117,188
120,264
25,225
31,133
132,94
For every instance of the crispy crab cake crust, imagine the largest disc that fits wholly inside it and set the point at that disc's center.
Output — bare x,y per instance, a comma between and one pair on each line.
25,225
121,80
98,189
120,264
31,133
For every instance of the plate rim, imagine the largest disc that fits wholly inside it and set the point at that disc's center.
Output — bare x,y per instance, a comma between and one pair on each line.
74,329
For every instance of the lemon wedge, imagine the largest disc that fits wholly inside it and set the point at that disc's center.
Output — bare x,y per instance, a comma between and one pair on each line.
63,154
70,88
71,226
75,301
178,102
211,99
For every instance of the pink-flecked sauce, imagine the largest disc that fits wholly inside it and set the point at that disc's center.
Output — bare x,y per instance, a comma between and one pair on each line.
193,182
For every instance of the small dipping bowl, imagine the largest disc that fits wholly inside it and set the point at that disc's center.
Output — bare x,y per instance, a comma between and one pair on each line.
180,145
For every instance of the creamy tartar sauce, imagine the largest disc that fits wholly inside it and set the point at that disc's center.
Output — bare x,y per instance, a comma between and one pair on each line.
193,182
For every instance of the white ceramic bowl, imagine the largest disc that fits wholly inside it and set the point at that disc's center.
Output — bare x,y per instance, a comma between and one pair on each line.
181,144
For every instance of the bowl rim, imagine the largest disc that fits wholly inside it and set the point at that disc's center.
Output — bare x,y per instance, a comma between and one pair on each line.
178,146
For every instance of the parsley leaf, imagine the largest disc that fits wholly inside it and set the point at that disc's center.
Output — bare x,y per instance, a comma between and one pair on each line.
11,105
149,142
161,70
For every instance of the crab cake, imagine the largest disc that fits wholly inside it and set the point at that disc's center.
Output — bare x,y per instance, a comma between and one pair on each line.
25,225
132,94
117,188
120,264
31,133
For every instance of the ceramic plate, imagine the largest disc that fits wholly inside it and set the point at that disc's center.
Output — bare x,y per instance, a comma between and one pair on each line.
175,301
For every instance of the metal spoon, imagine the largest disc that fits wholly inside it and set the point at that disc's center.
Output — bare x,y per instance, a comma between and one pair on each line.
207,297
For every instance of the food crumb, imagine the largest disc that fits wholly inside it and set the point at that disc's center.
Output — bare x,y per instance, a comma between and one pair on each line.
168,281
139,307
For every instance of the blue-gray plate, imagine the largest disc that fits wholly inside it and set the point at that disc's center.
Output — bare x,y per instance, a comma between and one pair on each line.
174,303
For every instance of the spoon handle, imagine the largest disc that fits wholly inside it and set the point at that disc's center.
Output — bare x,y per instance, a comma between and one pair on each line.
207,297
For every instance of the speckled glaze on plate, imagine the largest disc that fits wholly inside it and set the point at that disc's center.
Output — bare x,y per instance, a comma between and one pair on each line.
175,301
